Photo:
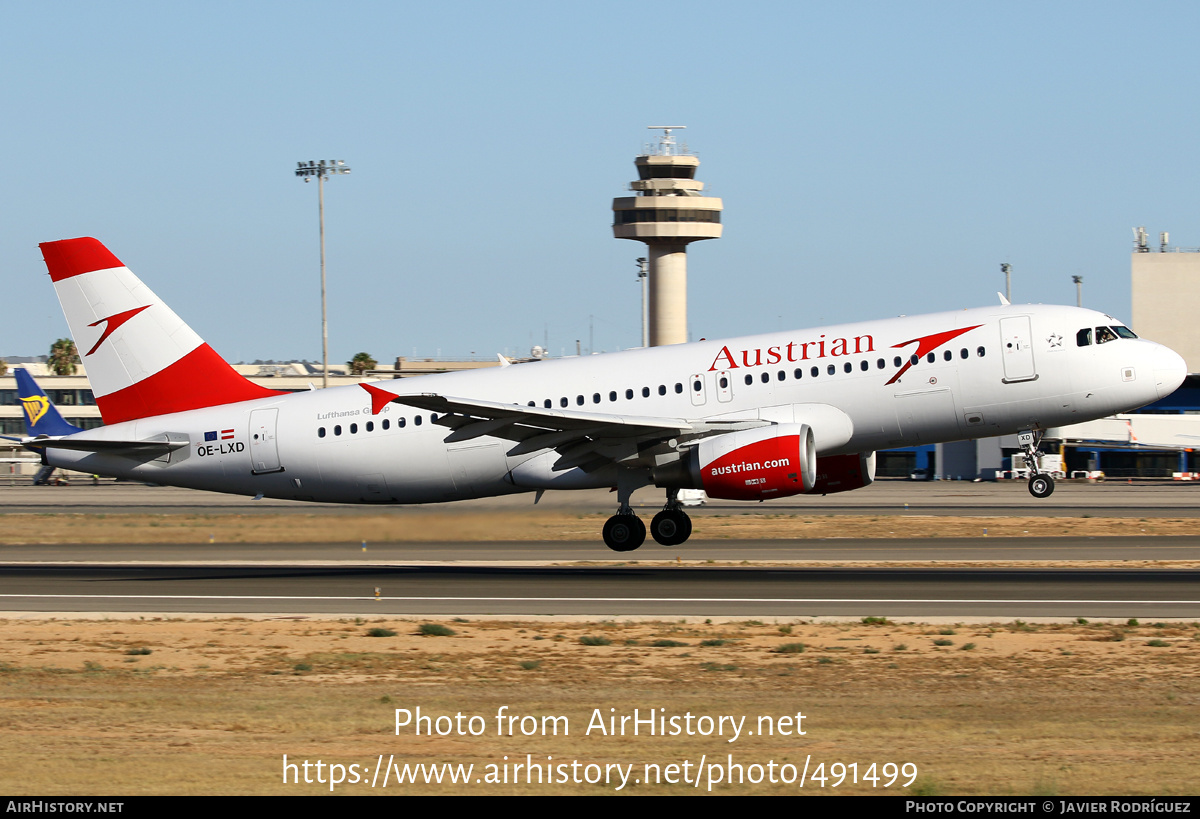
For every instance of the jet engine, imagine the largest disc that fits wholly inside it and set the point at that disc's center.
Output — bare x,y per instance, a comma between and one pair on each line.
841,473
752,464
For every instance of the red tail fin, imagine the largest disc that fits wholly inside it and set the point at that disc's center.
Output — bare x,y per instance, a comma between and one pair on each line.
142,360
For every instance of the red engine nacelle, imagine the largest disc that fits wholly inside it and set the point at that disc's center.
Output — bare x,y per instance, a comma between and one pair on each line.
841,473
756,464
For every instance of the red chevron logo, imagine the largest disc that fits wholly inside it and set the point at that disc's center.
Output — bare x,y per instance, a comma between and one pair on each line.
114,321
927,344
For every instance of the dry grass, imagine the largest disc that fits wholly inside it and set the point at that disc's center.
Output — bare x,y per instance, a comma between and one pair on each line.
1031,709
424,525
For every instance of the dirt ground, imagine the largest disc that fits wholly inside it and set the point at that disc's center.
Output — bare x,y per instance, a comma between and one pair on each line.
232,705
212,706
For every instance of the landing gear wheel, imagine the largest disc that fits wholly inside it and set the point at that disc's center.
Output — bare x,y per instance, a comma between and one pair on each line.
624,533
670,527
1041,486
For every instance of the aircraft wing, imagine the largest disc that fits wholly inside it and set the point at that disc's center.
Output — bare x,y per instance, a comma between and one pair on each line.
588,440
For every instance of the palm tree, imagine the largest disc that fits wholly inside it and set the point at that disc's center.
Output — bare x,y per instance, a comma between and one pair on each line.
361,363
63,357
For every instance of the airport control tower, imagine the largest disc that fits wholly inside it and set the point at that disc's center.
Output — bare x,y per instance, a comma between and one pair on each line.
667,213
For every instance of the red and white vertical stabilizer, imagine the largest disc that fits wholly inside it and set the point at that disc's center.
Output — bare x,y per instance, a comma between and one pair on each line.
141,359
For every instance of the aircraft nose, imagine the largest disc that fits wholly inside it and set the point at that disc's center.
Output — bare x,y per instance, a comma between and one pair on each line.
1169,370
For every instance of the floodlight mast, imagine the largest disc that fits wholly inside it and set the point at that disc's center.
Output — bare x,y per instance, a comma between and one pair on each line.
320,169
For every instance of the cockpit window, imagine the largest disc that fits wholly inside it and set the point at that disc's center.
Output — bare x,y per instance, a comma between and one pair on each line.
1104,335
1124,332
1084,337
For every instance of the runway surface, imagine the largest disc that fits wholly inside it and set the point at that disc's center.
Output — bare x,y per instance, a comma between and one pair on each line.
604,591
701,579
956,550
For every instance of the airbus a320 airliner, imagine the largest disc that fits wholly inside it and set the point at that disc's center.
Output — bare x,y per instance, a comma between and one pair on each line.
752,418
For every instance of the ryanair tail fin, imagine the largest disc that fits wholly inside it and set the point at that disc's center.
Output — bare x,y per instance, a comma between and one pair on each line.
142,360
41,416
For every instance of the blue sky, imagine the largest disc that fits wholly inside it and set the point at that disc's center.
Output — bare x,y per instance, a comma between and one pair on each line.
875,159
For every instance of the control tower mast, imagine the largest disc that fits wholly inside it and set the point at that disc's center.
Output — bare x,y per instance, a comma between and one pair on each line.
667,212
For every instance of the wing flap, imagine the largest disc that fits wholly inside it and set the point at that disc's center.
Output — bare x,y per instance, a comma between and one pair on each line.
583,440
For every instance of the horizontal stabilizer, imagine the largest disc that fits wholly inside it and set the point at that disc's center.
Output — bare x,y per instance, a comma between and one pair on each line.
93,445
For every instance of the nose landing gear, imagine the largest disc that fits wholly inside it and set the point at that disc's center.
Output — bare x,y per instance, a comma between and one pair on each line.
1041,485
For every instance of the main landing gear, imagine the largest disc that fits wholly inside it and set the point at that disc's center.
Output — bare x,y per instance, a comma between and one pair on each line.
671,526
625,531
1041,485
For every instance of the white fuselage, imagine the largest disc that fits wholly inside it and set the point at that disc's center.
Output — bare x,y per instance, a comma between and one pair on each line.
1018,367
